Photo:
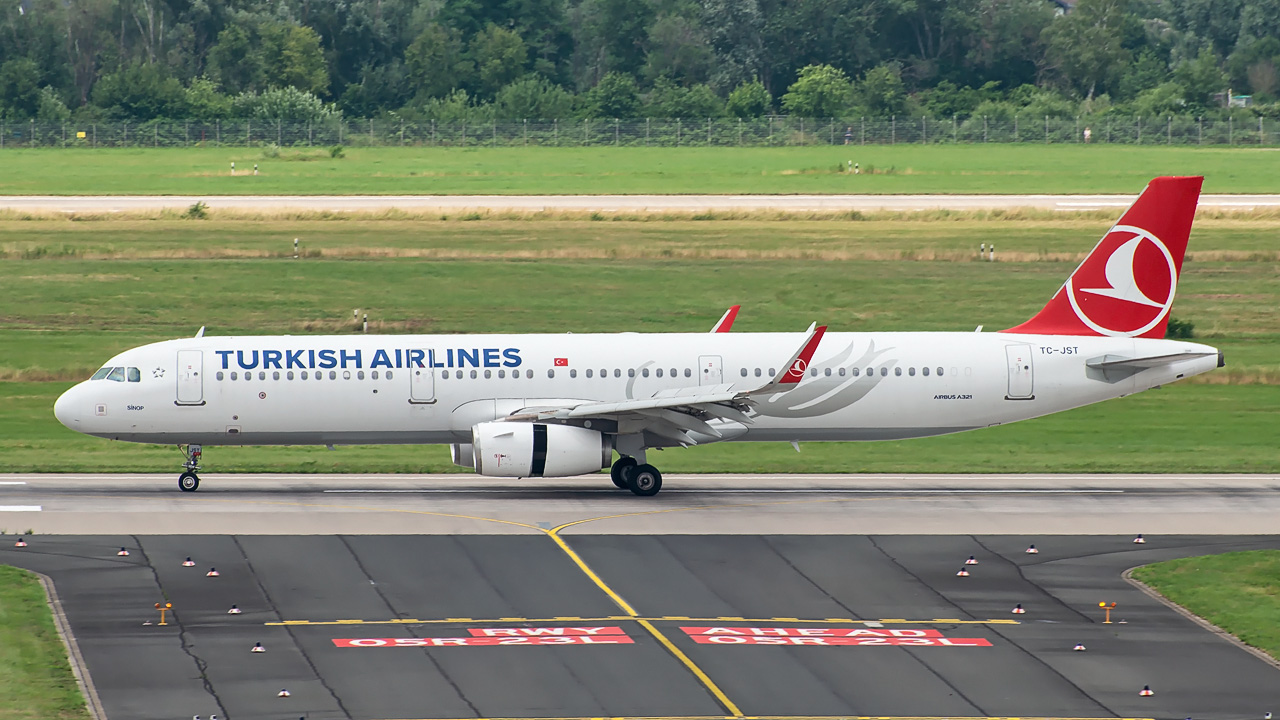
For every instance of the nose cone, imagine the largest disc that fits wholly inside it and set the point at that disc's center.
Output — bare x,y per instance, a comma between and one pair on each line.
66,408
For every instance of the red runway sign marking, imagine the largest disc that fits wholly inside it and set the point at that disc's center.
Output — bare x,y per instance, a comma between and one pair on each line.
842,641
481,641
825,632
828,637
545,632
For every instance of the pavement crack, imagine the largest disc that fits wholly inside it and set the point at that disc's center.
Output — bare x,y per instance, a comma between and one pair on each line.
944,598
201,664
1023,576
301,651
787,561
396,613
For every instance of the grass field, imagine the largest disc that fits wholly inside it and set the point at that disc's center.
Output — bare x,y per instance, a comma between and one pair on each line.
1239,592
1007,169
76,292
35,680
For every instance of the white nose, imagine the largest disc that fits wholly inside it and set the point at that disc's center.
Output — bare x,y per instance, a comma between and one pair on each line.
67,409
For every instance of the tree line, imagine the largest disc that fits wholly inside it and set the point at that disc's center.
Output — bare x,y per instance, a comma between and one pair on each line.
487,60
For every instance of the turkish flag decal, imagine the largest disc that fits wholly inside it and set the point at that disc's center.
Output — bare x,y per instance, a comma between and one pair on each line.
562,362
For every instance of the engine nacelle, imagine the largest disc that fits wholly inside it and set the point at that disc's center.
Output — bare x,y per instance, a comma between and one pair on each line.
519,449
463,455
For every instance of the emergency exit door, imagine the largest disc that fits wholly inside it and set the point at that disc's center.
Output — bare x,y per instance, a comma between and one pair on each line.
709,370
1021,372
422,382
190,377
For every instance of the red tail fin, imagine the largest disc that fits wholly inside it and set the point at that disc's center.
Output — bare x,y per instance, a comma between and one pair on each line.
1125,287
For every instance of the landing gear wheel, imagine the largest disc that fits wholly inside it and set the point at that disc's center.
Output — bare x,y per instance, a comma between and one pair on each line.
618,473
188,482
644,480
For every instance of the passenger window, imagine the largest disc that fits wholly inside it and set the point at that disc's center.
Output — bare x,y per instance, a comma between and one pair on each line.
248,376
757,372
502,374
828,372
289,375
573,372
884,372
135,375
262,374
474,375
102,372
360,375
220,375
617,373
527,373
333,375
302,375
842,372
275,374
911,372
925,371
234,375
857,372
688,372
813,372
940,371
116,374
374,375
588,372
346,374
631,372
319,374
658,372
897,371
645,372
673,372
771,372
871,371
388,374
488,374
744,372
551,373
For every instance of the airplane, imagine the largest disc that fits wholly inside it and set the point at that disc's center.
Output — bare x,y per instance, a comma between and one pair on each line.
534,406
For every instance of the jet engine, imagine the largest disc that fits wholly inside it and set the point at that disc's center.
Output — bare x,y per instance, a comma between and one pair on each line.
520,449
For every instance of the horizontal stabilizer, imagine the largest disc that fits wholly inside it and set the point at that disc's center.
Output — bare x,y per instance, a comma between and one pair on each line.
1110,362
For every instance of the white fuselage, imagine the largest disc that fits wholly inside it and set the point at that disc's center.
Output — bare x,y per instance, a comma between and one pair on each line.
434,389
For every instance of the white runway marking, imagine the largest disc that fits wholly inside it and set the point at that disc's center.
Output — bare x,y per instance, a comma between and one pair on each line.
12,483
744,491
20,508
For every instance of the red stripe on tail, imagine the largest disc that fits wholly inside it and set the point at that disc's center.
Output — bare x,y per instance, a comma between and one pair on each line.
1125,287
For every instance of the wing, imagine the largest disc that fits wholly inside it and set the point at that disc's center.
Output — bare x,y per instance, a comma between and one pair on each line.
683,414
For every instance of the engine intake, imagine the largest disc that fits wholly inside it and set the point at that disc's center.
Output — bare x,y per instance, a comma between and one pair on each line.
517,449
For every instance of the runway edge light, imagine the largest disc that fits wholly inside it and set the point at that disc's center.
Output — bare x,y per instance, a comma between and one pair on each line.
971,561
1018,610
1146,691
1139,540
257,648
1031,550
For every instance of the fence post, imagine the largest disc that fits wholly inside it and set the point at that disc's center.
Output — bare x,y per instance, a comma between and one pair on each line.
1199,130
646,132
217,132
679,131
801,131
186,133
2,133
495,131
586,126
893,129
526,132
155,136
862,130
955,131
1015,127
433,131
556,127
709,131
401,132
739,132
1231,138
340,131
1139,121
984,129
125,136
770,129
280,133
33,132
370,131
615,132
64,133
924,130
832,133
1046,129
1169,133
1261,139
464,133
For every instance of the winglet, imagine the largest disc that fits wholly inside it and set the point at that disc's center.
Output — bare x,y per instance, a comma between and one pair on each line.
726,321
797,365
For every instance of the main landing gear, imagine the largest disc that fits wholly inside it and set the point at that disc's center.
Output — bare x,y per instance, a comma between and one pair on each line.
188,481
642,479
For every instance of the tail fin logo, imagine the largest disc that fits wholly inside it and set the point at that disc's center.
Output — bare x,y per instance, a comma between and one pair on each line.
1126,286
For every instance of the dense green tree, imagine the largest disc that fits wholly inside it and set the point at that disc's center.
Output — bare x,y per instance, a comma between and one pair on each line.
19,89
735,32
1086,46
205,102
1201,79
533,97
287,104
435,63
499,56
615,96
839,33
820,91
669,100
678,49
140,92
881,92
253,56
749,100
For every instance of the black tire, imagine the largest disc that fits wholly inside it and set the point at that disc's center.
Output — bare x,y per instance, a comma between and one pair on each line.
188,482
618,473
644,480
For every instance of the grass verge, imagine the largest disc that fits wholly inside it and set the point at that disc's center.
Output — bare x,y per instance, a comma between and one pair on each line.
35,680
1239,592
971,169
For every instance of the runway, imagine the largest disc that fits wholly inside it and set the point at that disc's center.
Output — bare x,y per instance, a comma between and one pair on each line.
602,203
456,597
689,504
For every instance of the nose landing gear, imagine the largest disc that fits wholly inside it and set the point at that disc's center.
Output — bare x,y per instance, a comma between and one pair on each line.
189,481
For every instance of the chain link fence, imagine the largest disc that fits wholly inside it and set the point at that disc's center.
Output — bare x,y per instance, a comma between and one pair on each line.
759,132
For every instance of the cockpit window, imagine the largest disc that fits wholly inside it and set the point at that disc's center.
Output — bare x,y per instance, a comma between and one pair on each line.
116,375
135,375
101,374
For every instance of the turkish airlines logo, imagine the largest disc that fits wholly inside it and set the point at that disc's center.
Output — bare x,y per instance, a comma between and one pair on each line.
1126,286
799,366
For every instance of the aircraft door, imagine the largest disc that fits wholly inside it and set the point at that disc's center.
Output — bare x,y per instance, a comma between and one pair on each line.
422,383
190,377
709,370
1021,373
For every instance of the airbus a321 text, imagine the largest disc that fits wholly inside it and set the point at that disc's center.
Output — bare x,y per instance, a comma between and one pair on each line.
536,406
